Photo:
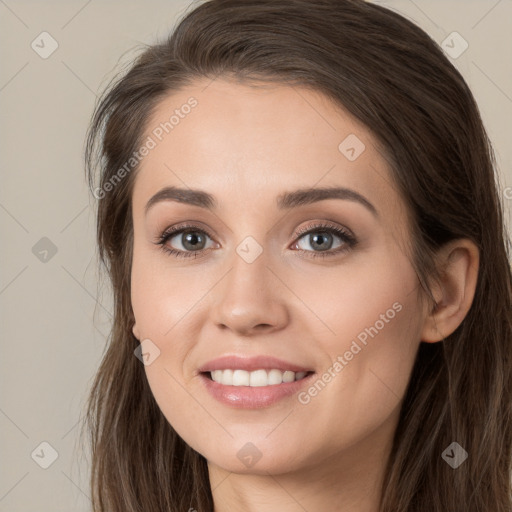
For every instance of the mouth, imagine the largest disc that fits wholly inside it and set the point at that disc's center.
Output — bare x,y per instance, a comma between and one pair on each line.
253,382
257,389
257,378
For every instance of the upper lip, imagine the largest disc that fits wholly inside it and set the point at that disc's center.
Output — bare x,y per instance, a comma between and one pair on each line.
250,364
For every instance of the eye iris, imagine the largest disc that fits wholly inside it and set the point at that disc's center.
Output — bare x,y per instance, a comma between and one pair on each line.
317,239
190,240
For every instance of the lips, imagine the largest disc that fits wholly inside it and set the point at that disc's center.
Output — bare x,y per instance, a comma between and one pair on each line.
241,392
252,364
247,397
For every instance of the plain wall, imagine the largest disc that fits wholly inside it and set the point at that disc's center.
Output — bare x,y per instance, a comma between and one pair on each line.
53,320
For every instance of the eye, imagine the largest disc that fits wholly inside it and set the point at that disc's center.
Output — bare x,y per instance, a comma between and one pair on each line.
191,238
320,236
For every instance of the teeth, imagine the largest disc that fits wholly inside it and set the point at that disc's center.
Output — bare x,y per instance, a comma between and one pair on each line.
256,378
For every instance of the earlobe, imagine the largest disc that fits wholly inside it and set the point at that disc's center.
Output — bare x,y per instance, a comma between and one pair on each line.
458,262
135,331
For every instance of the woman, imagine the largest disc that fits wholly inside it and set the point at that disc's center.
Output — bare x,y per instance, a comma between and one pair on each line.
299,214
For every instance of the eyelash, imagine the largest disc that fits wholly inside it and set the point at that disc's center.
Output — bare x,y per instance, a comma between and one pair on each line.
349,240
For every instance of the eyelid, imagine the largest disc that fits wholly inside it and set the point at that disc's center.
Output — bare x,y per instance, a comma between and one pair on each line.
197,225
324,225
178,228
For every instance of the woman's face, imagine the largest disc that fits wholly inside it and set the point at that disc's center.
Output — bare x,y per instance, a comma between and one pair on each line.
269,268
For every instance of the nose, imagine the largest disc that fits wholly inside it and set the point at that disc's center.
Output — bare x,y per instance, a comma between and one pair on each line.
250,299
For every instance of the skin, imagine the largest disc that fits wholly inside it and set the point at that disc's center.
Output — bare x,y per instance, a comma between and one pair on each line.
246,145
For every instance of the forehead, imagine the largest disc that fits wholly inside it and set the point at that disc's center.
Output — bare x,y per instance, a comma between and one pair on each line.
249,143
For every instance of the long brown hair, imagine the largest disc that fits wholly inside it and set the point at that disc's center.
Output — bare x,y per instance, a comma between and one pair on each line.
394,78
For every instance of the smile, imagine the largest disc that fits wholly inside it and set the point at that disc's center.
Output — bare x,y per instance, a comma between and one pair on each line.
258,378
256,389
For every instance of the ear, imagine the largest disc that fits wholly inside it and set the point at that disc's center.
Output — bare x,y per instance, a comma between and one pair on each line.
458,263
135,331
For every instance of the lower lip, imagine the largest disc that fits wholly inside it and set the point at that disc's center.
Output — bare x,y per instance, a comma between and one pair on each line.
246,397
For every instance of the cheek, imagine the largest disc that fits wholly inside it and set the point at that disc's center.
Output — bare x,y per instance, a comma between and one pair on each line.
161,294
167,303
161,300
375,319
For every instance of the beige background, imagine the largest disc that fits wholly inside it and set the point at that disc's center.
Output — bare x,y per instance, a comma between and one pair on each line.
53,319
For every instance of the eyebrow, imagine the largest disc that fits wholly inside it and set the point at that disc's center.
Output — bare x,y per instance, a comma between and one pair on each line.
284,201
